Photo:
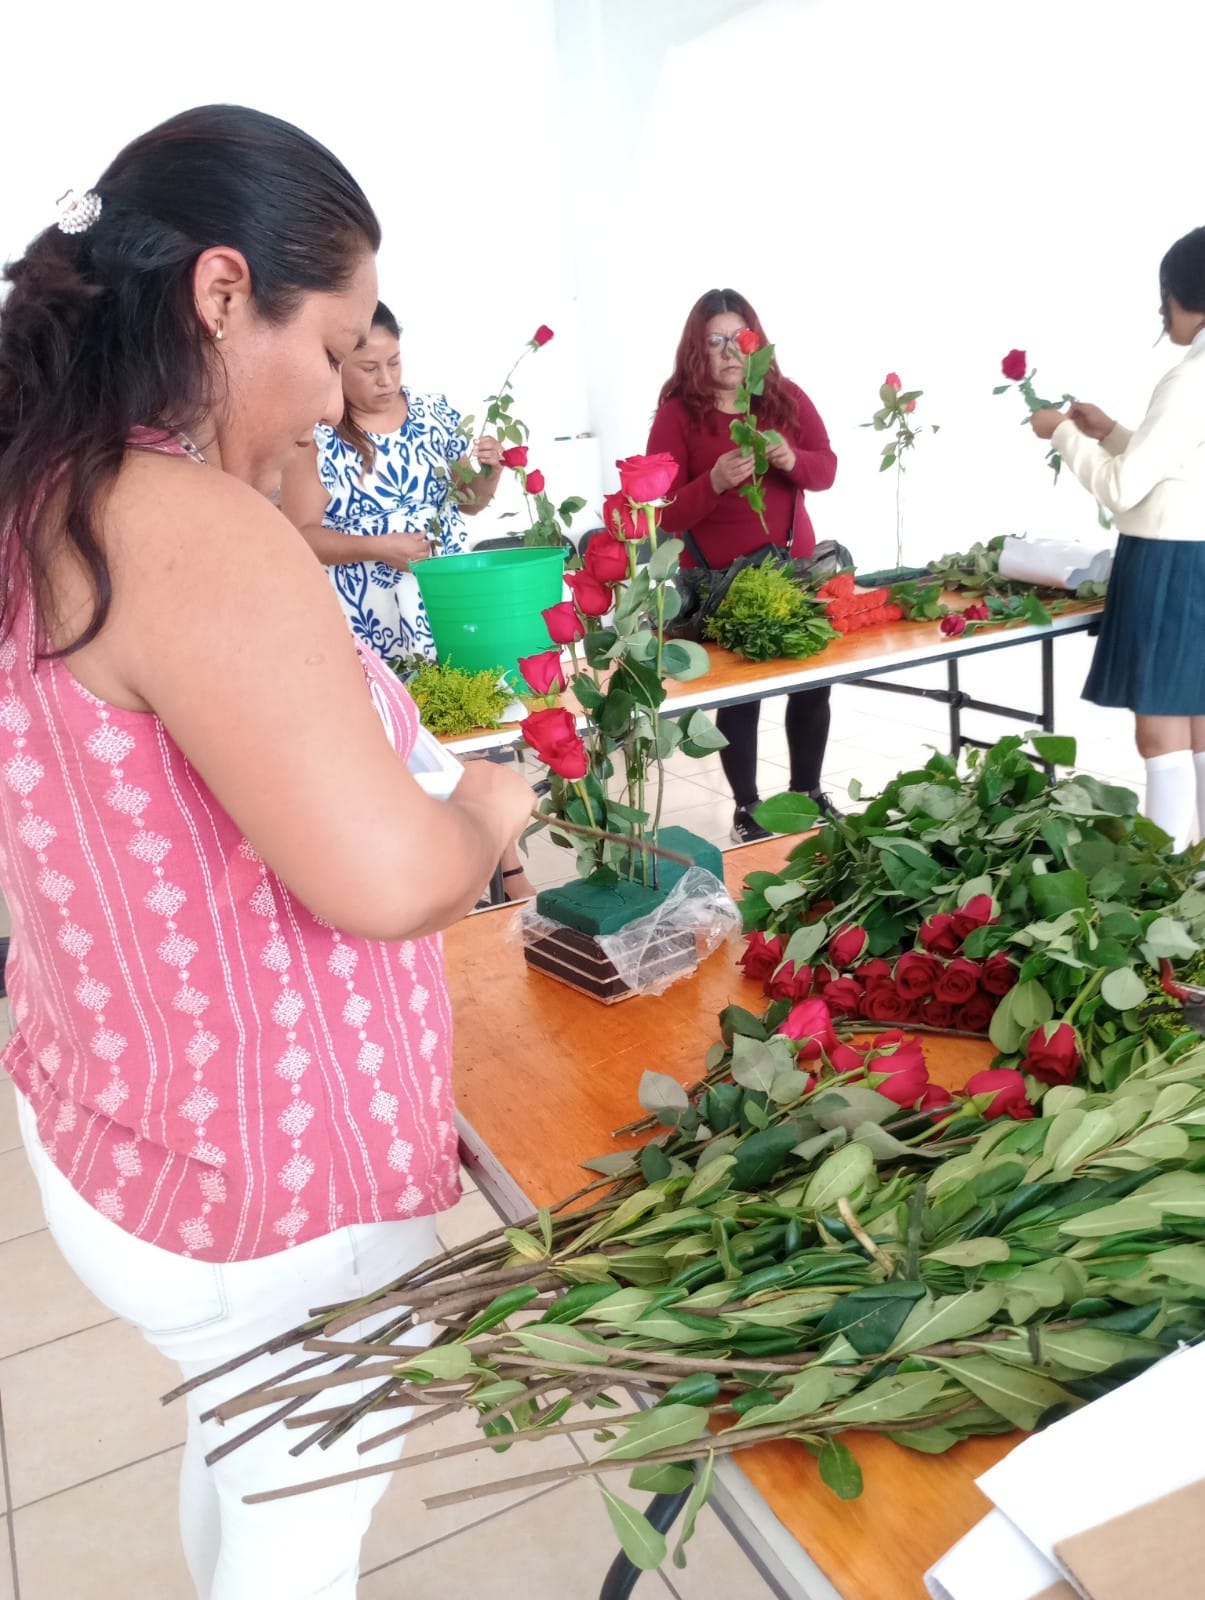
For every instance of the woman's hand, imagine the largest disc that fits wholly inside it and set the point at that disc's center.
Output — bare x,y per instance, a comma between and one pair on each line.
400,550
1045,421
733,468
487,452
498,798
1091,420
782,457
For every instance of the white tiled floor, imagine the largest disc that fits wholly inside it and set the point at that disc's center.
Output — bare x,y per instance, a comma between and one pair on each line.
88,1458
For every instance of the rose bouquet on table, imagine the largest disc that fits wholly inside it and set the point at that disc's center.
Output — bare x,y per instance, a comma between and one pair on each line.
606,755
894,416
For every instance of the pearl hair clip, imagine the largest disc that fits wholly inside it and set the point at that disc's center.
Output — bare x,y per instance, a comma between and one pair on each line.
76,215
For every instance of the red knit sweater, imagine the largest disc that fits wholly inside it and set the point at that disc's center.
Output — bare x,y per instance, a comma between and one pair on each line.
723,524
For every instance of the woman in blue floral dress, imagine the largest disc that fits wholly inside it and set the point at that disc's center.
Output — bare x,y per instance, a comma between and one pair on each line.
389,486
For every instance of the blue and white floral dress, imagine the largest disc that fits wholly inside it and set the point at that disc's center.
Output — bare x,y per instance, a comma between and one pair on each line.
407,490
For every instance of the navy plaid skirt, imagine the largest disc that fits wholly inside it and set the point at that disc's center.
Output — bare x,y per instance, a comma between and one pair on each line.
1150,656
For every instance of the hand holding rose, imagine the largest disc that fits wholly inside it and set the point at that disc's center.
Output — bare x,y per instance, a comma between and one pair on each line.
1091,420
1045,421
731,470
782,457
488,452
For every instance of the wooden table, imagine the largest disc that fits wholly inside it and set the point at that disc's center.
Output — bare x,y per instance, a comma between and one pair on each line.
862,658
542,1077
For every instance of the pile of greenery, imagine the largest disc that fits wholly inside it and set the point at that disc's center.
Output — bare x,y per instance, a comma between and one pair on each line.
977,571
452,701
766,615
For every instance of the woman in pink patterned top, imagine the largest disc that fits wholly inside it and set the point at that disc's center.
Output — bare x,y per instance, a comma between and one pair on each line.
232,1040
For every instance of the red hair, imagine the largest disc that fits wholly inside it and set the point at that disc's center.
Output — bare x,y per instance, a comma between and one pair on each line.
691,379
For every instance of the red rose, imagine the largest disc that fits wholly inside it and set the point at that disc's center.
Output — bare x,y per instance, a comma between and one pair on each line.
844,1058
1007,1088
999,974
876,971
905,1077
938,1100
938,1014
893,378
953,625
916,974
822,977
592,598
543,674
515,457
534,482
939,935
958,982
1015,365
843,996
761,956
1052,1053
911,406
790,982
847,945
606,558
563,623
978,912
541,336
884,1003
903,1050
977,612
620,517
646,478
748,341
976,1016
811,1023
553,737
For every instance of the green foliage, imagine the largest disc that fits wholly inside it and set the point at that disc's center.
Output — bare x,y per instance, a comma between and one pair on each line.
767,615
452,701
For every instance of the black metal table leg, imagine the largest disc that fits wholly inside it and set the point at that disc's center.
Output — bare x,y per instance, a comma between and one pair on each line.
1048,685
622,1577
955,707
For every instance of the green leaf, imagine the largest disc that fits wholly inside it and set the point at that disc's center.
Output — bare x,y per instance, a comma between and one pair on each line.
756,1064
948,1317
654,1163
1055,749
1123,989
787,813
447,1362
1055,892
1021,1397
502,1306
683,659
522,1243
558,1345
568,509
840,1470
1166,938
657,1091
661,1428
760,1157
695,1503
971,1252
644,1547
1094,1131
1025,1007
808,1393
700,735
664,560
804,942
659,1479
838,1177
869,1319
903,1395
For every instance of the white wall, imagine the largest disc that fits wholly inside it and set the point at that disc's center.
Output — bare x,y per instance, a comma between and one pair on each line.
916,187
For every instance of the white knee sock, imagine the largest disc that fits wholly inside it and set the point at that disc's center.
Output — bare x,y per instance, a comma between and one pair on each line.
1199,762
1171,794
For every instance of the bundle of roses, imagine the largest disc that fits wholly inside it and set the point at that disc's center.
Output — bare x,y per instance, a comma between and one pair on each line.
996,874
605,749
851,609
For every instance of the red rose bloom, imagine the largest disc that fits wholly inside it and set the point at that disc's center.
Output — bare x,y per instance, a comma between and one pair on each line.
646,478
978,612
978,912
893,378
953,625
534,483
748,341
553,737
515,457
938,1100
876,971
761,957
844,1058
939,935
1052,1053
790,982
916,974
958,982
622,520
884,1003
843,996
822,977
911,406
543,674
541,335
592,598
811,1023
905,1076
847,945
606,558
1007,1088
976,1016
999,974
1015,365
904,1051
938,1014
563,623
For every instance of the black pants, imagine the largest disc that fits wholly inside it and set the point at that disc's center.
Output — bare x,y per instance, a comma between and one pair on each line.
807,721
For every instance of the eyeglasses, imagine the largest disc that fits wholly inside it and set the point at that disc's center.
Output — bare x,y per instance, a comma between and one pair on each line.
723,341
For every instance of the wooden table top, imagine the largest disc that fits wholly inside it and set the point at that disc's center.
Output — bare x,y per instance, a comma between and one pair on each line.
544,1074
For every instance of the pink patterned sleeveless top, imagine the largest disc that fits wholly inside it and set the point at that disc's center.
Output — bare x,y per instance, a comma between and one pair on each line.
212,1067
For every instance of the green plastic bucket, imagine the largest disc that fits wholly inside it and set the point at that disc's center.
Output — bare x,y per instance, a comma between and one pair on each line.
484,607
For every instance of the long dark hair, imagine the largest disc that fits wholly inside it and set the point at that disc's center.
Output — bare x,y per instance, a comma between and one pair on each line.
100,333
1182,272
349,430
691,382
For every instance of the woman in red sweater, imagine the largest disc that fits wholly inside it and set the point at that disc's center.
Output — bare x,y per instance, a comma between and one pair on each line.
692,424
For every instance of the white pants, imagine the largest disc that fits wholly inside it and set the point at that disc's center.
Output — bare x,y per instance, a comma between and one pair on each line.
200,1315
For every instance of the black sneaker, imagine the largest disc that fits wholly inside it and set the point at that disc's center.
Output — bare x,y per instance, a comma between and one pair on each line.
827,808
745,830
